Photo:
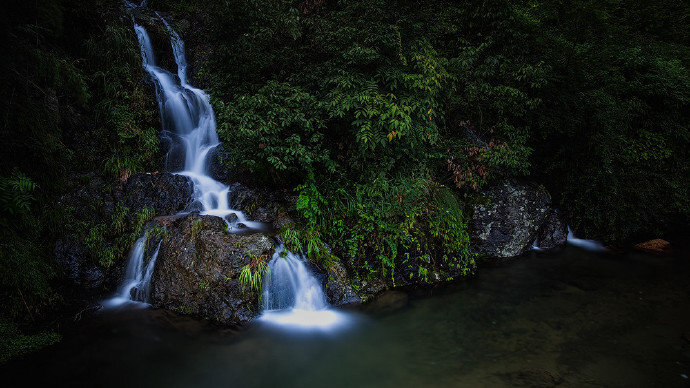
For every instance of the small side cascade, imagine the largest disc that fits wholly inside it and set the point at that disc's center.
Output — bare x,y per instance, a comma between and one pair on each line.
535,245
590,245
293,297
136,285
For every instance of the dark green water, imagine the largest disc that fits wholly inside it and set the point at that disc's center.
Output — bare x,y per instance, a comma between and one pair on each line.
568,319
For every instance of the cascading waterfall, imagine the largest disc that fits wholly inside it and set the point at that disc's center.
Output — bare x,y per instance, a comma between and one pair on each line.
293,296
189,121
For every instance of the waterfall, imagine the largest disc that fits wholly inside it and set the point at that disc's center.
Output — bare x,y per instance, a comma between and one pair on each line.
136,285
292,296
289,284
535,245
590,245
189,121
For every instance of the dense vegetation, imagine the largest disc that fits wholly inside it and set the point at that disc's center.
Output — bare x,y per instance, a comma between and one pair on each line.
384,117
75,104
372,109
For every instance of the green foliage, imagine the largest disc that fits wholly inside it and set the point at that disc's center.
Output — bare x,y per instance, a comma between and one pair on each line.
252,274
589,98
16,194
14,344
75,104
197,227
613,132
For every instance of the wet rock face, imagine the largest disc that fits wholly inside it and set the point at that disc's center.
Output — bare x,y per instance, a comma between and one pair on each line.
338,288
216,169
71,257
508,223
165,193
198,268
553,233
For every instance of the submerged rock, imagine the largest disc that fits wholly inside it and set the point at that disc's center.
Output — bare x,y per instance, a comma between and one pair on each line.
553,233
508,223
198,268
165,193
388,302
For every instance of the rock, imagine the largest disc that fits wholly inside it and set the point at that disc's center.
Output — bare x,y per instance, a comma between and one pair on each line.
72,258
656,246
194,207
283,221
260,205
165,193
198,268
507,225
216,168
371,288
533,378
338,288
231,218
553,233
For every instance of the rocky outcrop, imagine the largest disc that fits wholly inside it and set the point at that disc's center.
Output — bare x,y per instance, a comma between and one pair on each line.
553,233
165,193
198,268
508,222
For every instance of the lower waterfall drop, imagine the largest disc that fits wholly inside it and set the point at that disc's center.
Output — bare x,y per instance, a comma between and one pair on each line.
292,296
136,286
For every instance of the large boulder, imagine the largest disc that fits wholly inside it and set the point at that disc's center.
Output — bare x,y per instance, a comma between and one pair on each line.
198,268
165,193
553,233
507,223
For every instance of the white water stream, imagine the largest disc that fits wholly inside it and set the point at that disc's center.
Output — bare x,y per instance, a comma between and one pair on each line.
590,245
292,295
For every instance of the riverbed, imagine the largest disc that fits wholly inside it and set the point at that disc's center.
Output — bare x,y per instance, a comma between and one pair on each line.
569,319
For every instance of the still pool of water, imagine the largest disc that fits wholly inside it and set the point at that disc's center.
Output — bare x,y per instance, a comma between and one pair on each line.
567,319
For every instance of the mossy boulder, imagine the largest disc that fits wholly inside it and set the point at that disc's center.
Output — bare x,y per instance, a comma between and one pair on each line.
553,233
508,223
198,268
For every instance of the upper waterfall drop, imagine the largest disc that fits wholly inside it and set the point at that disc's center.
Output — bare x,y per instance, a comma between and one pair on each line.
189,121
